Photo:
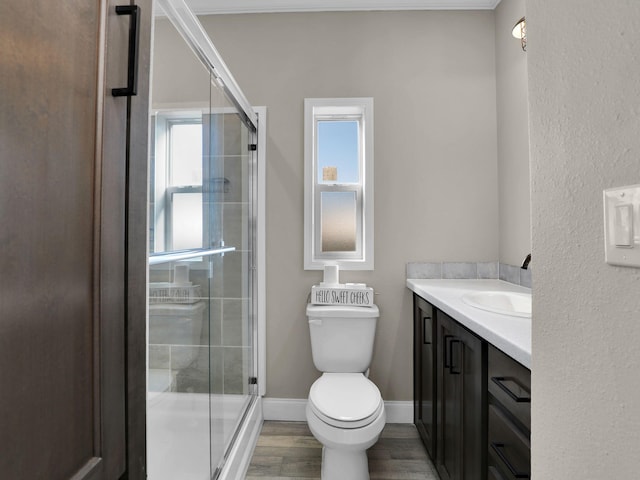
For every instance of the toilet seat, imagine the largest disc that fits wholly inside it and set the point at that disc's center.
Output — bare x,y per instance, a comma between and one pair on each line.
345,400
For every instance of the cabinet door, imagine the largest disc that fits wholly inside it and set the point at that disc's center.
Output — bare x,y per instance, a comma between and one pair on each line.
461,405
424,373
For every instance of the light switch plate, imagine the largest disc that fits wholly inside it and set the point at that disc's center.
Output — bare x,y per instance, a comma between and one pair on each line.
622,226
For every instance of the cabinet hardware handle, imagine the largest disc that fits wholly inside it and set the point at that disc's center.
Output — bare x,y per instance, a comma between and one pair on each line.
453,370
499,449
424,331
516,398
446,358
134,37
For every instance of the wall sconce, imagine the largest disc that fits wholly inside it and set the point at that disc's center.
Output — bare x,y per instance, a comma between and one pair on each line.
520,31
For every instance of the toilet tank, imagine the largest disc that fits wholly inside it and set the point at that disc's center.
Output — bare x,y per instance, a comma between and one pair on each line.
342,337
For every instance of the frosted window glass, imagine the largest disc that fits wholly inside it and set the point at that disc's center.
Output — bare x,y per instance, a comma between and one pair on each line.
338,156
186,225
186,154
338,218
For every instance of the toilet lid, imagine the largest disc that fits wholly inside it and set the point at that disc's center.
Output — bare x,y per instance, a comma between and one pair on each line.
346,400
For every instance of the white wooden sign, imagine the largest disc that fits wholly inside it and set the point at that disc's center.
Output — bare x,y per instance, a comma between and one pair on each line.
352,296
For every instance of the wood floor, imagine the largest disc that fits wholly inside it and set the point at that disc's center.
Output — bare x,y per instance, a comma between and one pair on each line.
287,450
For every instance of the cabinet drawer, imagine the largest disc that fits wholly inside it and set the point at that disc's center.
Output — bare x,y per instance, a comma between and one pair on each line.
510,384
509,449
494,473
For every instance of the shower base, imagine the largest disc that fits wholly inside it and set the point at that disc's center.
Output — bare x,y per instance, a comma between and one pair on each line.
187,433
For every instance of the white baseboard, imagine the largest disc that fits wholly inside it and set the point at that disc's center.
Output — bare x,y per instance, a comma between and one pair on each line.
293,410
239,458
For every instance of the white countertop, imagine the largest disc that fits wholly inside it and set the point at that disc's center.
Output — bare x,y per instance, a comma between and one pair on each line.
510,334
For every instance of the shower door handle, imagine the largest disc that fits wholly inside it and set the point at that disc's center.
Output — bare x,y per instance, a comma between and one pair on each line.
134,37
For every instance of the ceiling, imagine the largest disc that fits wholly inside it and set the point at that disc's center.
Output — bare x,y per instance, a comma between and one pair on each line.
202,7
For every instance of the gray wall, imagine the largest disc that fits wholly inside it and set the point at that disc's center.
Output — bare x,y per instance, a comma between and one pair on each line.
585,118
513,136
432,77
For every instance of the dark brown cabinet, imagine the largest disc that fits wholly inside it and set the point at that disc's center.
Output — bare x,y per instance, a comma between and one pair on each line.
509,429
471,401
461,401
424,405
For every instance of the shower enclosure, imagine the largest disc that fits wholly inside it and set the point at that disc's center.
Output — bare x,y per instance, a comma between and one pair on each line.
202,327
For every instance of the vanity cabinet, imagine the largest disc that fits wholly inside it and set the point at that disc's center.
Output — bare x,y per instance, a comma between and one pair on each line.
472,402
461,401
509,428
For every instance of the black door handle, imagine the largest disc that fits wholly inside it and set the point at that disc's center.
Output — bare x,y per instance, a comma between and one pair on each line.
426,333
453,370
446,358
132,68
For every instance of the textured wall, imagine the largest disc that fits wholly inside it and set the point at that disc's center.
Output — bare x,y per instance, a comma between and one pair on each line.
585,117
432,77
513,136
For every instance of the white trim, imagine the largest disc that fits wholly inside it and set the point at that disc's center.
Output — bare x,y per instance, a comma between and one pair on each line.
206,7
284,409
363,258
293,410
238,460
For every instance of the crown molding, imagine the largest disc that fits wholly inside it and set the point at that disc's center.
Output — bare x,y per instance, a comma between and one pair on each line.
210,7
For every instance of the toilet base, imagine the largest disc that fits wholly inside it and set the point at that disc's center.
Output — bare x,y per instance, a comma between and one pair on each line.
342,464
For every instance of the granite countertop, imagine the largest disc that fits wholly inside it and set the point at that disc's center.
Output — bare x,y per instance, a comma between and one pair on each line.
510,334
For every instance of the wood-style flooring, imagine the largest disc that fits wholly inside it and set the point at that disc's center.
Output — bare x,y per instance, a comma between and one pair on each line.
288,450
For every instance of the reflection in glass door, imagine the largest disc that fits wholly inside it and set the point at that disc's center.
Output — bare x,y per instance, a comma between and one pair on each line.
201,378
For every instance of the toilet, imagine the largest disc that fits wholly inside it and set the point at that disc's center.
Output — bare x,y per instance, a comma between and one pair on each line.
345,411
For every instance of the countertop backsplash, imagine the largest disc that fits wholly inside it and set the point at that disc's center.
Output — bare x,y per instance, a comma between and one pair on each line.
470,270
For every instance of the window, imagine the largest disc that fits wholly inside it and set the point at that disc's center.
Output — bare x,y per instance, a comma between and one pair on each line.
177,187
338,183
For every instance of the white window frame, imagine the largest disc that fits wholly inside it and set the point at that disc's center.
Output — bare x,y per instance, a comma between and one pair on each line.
360,110
164,192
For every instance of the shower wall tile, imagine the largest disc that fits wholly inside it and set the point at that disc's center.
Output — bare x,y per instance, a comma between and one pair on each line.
159,273
459,270
213,332
237,187
192,376
234,230
235,373
216,371
232,134
233,328
230,275
159,356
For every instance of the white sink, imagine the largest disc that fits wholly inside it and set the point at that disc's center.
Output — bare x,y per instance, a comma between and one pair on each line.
506,303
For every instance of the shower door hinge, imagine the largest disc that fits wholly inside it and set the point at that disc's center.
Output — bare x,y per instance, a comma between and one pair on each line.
253,147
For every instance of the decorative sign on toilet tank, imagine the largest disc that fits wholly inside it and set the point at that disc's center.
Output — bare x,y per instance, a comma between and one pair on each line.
352,294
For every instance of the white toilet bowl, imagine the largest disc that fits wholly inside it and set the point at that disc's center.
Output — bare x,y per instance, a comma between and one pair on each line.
345,413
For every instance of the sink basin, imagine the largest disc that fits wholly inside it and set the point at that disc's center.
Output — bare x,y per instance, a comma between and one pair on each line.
506,303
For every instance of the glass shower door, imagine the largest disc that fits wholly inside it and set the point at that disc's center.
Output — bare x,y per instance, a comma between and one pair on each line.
201,292
232,351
